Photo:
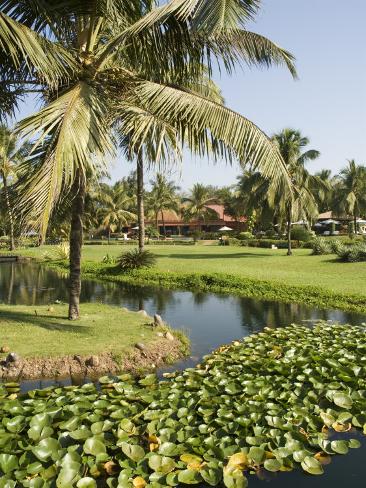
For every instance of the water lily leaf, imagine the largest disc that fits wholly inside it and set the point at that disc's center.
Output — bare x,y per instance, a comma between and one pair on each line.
323,458
354,444
133,451
161,464
8,463
86,483
15,424
189,477
94,446
235,479
257,454
340,447
312,466
47,449
168,449
190,458
68,476
342,400
272,465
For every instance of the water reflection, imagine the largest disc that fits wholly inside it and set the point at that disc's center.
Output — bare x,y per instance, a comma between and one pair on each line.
209,319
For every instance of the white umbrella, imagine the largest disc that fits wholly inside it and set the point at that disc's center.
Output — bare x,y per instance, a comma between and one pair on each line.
361,221
330,221
319,224
225,228
300,222
135,228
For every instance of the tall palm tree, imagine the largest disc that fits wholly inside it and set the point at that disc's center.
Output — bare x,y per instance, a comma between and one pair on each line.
12,153
95,62
113,213
196,204
351,195
300,202
163,196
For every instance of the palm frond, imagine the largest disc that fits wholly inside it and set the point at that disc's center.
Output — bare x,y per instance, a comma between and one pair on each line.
23,45
206,126
79,140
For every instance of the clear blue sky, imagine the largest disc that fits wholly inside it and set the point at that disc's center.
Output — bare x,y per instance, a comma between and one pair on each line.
327,103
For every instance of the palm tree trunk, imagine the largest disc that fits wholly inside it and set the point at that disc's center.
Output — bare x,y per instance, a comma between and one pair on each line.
157,222
355,224
76,241
140,201
289,217
162,219
109,235
10,214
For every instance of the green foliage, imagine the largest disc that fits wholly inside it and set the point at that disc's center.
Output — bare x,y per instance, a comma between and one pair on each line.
63,251
336,246
252,403
108,259
268,243
136,259
245,236
320,246
353,254
299,233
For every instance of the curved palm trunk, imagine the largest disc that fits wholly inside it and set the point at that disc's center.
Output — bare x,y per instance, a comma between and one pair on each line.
157,222
140,201
355,224
76,241
10,214
289,217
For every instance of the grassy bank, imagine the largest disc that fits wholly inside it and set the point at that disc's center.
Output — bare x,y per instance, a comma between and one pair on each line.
104,338
264,273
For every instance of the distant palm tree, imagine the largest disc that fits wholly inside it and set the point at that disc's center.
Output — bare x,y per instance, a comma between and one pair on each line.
325,200
300,202
163,196
11,155
113,213
351,195
196,204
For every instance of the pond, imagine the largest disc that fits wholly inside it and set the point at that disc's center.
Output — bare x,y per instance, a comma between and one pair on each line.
210,320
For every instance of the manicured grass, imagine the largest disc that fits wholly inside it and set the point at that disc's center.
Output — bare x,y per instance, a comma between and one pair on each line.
41,331
261,264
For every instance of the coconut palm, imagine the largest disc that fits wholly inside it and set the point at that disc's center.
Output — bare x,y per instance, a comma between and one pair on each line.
196,204
351,195
12,153
300,202
163,196
95,63
113,213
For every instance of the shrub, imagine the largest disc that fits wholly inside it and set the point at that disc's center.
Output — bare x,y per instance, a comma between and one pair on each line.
108,259
245,236
136,259
299,233
270,233
232,241
336,246
353,254
320,246
63,251
268,243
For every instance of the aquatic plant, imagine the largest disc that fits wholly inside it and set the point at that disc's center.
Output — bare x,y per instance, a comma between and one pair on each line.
320,246
272,401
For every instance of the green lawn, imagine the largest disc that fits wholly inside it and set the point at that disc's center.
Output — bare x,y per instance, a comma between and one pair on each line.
43,331
257,263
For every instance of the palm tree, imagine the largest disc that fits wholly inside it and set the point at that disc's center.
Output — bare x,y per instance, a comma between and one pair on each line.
300,201
351,195
11,155
113,213
197,204
96,64
163,196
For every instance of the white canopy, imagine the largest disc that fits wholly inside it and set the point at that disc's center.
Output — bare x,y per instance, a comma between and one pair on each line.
135,228
225,228
361,221
330,221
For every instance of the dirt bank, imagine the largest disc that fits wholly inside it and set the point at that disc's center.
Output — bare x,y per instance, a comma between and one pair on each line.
162,351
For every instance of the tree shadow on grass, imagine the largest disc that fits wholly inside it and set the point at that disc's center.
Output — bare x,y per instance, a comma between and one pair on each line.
215,256
42,321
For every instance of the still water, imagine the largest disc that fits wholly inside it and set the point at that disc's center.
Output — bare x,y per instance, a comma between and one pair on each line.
209,320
